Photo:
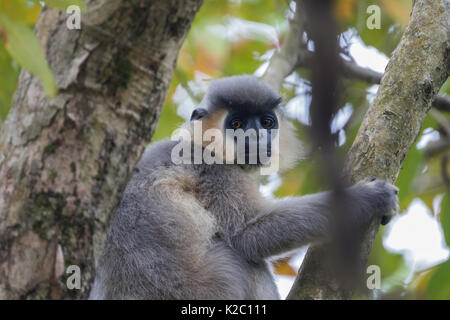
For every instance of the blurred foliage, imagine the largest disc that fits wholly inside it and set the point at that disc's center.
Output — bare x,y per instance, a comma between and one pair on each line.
237,37
20,47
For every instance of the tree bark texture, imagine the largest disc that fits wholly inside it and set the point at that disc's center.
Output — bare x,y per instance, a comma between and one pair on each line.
65,161
413,77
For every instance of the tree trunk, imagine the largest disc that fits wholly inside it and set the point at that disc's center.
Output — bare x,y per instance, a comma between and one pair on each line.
65,161
413,77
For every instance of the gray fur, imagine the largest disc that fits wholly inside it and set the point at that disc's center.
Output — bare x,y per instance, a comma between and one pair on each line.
204,232
240,92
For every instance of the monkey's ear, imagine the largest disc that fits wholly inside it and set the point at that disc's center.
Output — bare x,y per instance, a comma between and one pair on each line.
198,113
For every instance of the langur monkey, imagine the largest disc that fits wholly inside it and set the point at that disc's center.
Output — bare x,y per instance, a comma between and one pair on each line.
203,231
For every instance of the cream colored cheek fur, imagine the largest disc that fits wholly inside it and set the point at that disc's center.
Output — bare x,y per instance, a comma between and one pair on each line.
286,153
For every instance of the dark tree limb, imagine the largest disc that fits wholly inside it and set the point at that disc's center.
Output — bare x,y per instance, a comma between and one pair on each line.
65,161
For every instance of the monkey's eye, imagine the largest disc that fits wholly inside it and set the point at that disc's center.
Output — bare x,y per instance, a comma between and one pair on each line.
236,124
267,123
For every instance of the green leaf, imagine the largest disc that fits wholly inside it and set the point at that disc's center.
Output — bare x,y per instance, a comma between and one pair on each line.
445,217
8,81
445,89
64,4
439,285
21,10
25,49
410,168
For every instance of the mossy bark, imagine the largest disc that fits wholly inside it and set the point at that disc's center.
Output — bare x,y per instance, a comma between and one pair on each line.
65,161
413,77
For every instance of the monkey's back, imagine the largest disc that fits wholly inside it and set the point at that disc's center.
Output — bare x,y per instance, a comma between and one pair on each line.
166,243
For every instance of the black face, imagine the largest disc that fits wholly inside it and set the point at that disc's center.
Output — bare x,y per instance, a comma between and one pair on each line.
261,121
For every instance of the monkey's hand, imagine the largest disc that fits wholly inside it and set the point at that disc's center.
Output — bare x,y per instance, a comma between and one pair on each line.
379,197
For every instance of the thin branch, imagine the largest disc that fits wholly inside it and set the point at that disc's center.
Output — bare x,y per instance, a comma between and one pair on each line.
441,120
293,55
436,147
352,70
284,62
442,103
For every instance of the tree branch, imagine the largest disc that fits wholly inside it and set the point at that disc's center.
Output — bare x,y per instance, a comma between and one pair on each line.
65,161
414,75
284,62
351,70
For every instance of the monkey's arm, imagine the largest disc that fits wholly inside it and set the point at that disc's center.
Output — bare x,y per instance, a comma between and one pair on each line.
292,222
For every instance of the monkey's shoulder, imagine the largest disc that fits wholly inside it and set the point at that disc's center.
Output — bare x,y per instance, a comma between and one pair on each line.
202,183
157,155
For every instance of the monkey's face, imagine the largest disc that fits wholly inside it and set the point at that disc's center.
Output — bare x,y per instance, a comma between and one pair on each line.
241,123
240,136
253,135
